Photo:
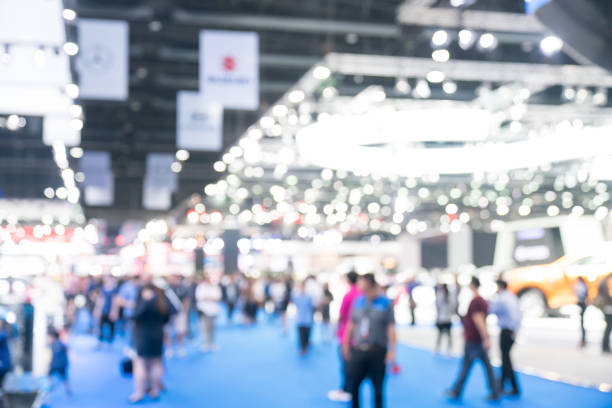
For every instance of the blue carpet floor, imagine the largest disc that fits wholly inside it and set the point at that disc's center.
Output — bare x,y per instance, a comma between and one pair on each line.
257,367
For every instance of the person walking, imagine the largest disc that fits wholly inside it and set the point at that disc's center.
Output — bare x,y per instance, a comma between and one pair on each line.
6,364
581,291
304,318
477,344
604,302
369,342
410,286
325,314
208,295
445,309
58,367
231,293
508,311
105,309
126,299
343,394
151,314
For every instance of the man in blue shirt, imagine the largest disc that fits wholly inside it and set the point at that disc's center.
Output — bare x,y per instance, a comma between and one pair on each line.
506,307
369,341
304,318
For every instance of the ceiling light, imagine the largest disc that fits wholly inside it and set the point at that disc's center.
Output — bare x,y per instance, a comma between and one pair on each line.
439,38
435,77
402,85
466,38
75,110
321,72
69,14
76,152
329,92
176,167
449,87
552,211
422,89
72,90
600,98
582,94
182,155
487,41
440,55
219,166
76,124
280,110
71,48
551,45
569,93
266,122
49,192
296,96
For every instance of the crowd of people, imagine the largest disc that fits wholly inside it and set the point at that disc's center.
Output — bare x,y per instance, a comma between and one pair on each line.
155,318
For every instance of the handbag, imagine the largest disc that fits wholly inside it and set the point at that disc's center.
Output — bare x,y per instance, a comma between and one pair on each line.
126,367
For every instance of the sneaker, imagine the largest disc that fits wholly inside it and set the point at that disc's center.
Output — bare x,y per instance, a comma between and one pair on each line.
339,396
451,394
493,398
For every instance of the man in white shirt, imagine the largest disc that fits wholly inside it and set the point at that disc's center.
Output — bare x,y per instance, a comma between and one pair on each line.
507,309
208,295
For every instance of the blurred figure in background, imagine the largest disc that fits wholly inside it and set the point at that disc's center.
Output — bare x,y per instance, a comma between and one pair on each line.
58,367
508,311
126,299
446,306
150,316
208,296
180,319
369,342
304,316
410,285
581,291
6,364
104,307
325,314
477,344
231,293
604,302
343,394
250,303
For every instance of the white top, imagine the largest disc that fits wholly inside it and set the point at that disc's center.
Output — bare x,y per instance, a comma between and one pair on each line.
208,297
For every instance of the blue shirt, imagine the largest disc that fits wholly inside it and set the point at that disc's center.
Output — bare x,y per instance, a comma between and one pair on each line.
506,307
371,320
129,292
305,309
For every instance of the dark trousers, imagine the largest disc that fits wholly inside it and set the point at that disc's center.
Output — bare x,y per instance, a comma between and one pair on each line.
506,341
472,352
444,329
106,321
304,335
367,364
582,329
606,337
343,372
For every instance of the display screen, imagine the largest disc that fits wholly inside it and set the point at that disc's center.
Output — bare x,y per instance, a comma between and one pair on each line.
537,246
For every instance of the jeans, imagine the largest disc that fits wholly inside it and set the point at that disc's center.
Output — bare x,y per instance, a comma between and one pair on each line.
506,342
367,364
582,329
606,337
472,352
304,335
105,320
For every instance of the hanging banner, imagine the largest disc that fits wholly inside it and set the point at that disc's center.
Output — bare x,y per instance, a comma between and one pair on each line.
159,182
229,68
99,180
103,59
199,124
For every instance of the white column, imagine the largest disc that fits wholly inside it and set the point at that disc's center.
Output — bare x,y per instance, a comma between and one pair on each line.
460,248
409,257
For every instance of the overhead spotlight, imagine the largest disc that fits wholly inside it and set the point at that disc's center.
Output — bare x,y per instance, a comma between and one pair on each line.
321,72
551,45
462,3
75,110
435,77
466,38
329,92
487,41
176,167
72,90
71,48
402,85
582,94
296,96
439,38
69,14
449,87
421,90
182,155
569,93
76,124
600,98
441,55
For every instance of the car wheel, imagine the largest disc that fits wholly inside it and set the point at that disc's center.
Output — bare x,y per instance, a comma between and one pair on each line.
533,303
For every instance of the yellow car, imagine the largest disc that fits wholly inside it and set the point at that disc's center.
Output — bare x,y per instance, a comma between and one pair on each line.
545,288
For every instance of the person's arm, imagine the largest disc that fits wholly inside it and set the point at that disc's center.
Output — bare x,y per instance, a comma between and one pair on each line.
346,343
390,358
481,325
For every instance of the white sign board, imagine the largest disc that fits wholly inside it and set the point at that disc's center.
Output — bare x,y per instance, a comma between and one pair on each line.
103,59
229,68
199,124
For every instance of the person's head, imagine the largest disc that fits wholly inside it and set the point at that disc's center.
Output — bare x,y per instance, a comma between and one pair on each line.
352,277
367,283
108,281
475,284
52,335
501,285
302,286
581,279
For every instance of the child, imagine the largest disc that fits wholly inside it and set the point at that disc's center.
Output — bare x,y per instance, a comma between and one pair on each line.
59,360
